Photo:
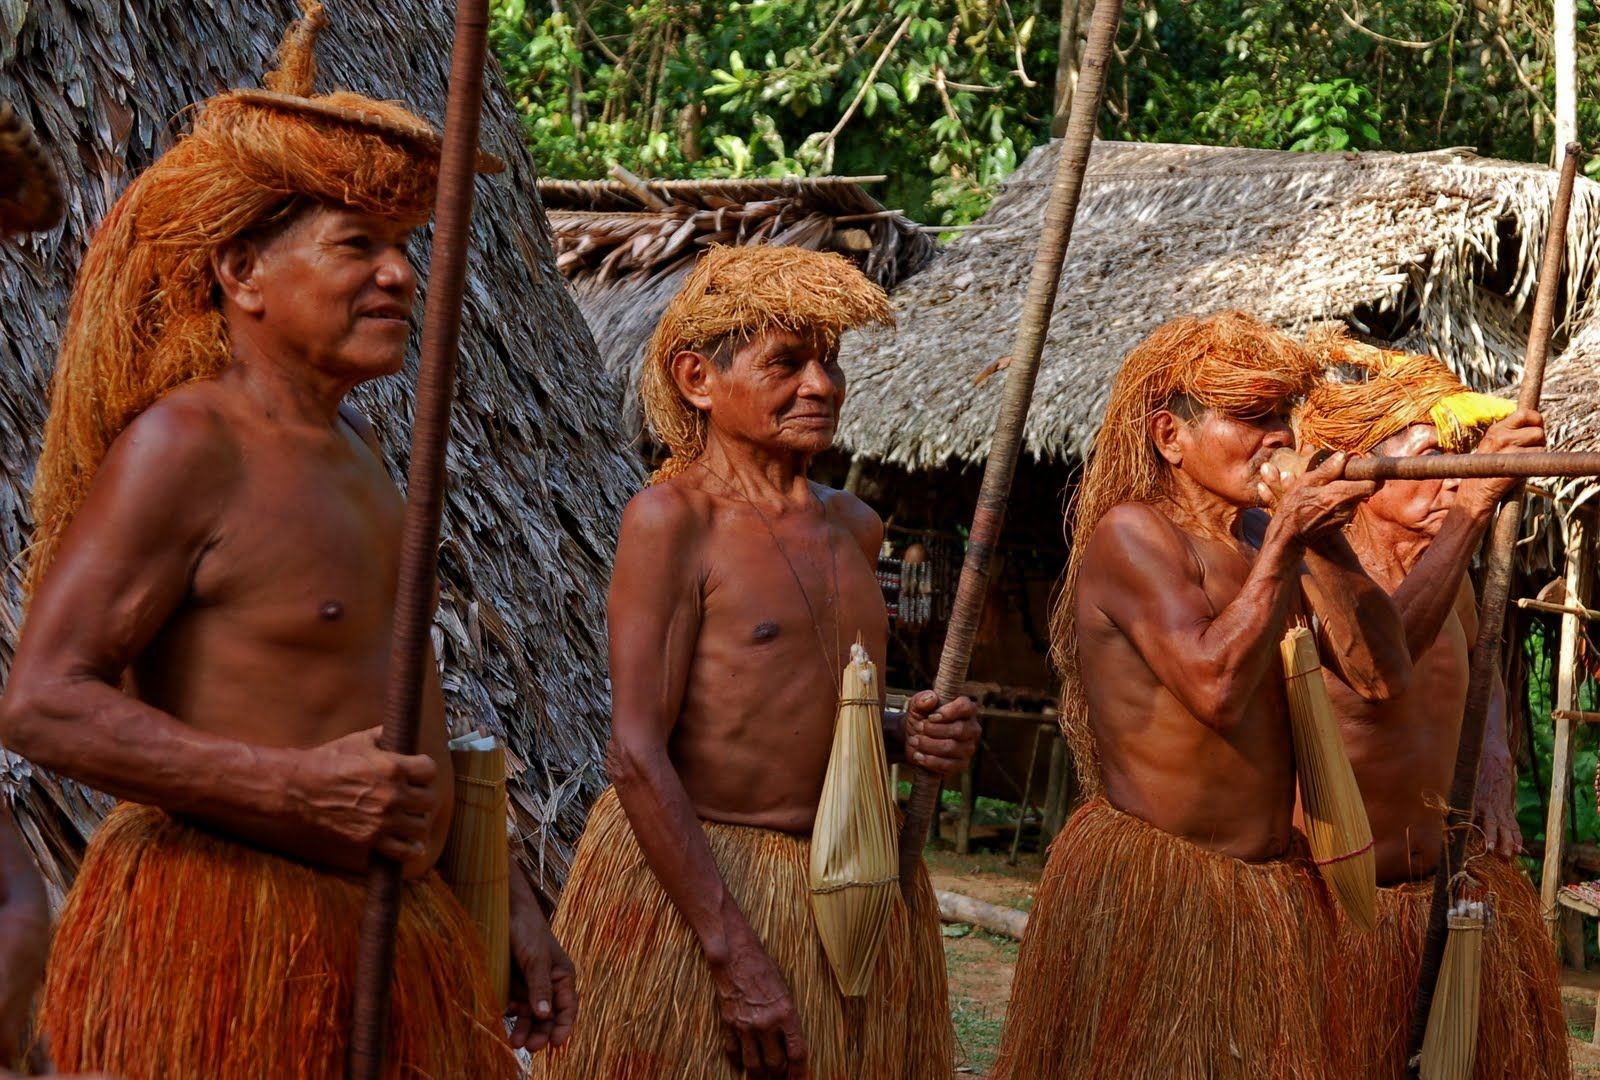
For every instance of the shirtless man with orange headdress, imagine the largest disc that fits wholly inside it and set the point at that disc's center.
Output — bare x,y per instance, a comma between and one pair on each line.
212,588
1416,538
1180,929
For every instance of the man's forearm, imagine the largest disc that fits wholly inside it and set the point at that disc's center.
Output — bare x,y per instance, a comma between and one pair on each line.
674,845
1428,593
101,737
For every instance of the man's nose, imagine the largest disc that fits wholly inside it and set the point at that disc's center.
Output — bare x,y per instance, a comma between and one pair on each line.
395,274
816,382
1277,437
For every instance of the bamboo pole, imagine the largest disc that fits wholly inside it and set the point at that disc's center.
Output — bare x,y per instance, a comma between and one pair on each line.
1491,621
425,489
989,516
1555,825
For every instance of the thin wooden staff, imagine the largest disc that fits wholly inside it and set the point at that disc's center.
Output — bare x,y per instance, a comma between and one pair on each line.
1466,466
995,491
1491,622
425,488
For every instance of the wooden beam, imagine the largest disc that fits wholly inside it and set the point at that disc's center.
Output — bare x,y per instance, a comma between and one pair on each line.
1589,614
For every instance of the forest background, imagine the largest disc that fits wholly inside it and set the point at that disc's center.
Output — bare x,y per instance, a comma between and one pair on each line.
946,97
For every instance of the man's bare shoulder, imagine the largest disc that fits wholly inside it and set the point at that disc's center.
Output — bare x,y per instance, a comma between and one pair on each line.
185,438
855,515
674,512
1138,537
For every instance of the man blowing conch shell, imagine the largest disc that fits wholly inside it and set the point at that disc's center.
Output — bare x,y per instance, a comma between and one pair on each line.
738,591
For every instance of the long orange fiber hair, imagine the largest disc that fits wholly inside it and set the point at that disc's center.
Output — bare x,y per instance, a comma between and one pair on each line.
1230,362
143,320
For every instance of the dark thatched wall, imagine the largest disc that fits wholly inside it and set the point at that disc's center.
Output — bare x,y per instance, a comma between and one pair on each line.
539,469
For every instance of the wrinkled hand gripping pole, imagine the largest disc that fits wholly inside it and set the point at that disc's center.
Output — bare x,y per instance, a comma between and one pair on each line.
1001,466
425,487
1491,624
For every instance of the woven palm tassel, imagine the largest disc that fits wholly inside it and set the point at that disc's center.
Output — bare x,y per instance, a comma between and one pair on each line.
477,856
1451,1039
854,856
1330,801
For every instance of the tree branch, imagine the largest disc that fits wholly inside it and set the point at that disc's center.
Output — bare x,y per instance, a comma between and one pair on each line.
1402,43
872,77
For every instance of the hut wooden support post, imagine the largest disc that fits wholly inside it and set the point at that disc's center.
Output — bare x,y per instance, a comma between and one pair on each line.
1006,443
1578,532
1491,624
425,489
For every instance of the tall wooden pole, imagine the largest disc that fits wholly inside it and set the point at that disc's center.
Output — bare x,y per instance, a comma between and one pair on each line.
995,491
1491,620
425,488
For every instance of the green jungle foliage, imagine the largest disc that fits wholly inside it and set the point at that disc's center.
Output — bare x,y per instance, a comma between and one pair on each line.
945,97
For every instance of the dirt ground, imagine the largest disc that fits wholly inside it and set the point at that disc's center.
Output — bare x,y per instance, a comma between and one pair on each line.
980,963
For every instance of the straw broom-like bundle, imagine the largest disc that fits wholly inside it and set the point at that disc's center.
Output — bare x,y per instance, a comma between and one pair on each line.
1335,815
854,854
477,858
1451,1040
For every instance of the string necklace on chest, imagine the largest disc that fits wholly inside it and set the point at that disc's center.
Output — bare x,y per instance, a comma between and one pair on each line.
830,662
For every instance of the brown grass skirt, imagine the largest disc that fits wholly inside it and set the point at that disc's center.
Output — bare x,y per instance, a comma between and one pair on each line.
1522,1031
649,1009
1147,956
183,955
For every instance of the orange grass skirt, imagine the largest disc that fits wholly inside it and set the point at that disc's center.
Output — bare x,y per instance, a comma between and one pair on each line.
649,1008
1522,1031
181,956
1147,956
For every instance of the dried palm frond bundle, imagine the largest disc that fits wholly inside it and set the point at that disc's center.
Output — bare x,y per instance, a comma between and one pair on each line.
1522,1029
854,850
1096,994
477,857
1451,1039
182,954
1335,814
628,942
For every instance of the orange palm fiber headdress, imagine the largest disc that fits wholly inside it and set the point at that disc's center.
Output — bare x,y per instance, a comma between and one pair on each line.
1229,362
746,291
1389,392
143,319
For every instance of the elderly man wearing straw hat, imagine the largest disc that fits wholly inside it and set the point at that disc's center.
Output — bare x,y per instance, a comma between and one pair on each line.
1416,539
739,588
1180,929
212,586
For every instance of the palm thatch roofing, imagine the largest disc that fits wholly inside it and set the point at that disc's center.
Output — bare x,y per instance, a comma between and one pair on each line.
626,246
539,469
1436,251
1571,407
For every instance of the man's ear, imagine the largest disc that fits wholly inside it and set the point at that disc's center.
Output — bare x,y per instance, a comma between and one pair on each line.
1167,432
235,266
694,374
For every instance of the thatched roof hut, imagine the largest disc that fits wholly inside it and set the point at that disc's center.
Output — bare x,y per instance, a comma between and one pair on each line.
1571,406
540,470
1435,251
625,246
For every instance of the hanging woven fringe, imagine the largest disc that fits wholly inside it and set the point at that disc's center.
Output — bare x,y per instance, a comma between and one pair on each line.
1335,815
1451,1039
854,853
477,856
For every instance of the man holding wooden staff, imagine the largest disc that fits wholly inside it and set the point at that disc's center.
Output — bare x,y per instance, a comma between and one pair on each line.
1180,928
738,590
1416,539
212,590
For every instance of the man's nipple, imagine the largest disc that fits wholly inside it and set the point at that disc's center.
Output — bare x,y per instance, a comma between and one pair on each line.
765,631
330,611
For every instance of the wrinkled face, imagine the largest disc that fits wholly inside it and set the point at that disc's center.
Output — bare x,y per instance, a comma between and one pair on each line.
1416,506
781,390
336,287
1224,454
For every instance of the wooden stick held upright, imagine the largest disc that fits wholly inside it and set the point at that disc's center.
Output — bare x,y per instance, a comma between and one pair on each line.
1491,621
425,487
998,471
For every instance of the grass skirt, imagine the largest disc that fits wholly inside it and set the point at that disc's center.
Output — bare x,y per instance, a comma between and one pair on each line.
180,954
1522,1031
649,1009
1147,956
